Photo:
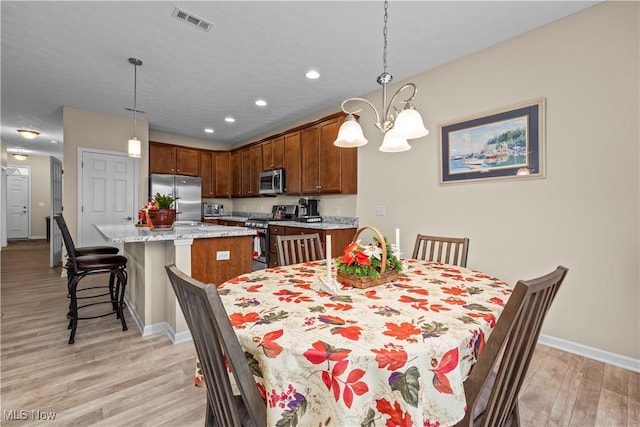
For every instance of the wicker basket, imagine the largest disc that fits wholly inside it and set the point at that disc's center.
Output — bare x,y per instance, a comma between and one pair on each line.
368,281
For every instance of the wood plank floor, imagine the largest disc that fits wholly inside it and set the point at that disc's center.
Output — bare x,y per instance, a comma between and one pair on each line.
115,378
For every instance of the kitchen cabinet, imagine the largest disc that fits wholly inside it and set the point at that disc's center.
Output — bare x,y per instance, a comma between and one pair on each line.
325,167
293,183
173,159
222,174
251,168
206,173
236,173
273,153
340,238
230,223
207,268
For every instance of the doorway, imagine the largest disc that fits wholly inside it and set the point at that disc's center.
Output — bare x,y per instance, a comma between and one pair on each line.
18,202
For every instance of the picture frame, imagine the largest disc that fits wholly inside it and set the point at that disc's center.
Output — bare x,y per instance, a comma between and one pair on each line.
502,144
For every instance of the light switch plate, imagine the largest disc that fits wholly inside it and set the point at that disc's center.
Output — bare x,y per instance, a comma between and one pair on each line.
381,210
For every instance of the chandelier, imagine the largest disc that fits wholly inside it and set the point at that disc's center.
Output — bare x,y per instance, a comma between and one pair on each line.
134,146
396,127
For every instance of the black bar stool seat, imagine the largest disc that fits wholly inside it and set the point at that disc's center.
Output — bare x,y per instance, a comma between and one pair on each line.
96,250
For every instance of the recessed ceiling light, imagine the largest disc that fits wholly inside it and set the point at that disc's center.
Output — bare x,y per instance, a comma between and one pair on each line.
261,102
208,130
229,120
53,141
312,74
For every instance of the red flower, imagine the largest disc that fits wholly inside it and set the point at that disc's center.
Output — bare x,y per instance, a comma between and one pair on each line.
348,258
362,258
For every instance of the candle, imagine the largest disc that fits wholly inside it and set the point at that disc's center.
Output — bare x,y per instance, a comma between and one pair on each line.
328,245
398,240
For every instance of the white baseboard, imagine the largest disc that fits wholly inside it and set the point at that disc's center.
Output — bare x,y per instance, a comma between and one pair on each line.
37,237
591,352
157,328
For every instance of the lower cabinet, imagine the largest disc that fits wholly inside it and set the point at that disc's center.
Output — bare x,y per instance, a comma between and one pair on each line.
340,238
220,259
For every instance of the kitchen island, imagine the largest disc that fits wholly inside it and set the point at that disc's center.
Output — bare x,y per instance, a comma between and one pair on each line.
210,253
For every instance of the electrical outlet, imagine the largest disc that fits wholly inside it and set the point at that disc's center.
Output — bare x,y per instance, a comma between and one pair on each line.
381,210
337,210
223,255
41,204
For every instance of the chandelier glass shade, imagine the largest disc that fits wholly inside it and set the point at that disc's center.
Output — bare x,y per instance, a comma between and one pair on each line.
398,124
134,146
28,134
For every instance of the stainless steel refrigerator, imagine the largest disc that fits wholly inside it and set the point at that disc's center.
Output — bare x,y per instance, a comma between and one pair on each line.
186,190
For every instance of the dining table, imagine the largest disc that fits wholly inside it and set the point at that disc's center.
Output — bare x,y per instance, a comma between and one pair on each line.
395,354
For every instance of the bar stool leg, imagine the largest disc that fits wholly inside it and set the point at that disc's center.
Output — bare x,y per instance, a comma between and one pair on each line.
120,289
73,308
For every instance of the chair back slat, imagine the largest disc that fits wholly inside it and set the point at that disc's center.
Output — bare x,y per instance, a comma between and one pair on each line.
509,348
448,250
217,344
295,249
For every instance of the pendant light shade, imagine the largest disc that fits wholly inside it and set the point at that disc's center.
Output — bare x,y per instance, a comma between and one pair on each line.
394,142
134,147
409,124
350,134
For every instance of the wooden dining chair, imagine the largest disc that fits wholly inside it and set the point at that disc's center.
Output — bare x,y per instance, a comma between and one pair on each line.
214,338
294,249
449,250
493,385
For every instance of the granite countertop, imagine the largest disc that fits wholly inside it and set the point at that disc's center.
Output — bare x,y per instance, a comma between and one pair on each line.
128,233
328,223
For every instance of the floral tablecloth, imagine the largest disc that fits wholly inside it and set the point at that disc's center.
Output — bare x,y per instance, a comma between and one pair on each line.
394,354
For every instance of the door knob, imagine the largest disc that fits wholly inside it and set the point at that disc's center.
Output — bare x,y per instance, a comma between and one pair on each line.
129,218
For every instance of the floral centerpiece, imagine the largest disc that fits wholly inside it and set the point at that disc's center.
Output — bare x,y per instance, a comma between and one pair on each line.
368,265
161,215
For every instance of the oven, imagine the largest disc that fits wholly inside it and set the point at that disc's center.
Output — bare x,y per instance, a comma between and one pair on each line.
260,242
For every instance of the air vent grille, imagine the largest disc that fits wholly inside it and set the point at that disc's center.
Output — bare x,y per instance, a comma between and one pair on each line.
190,18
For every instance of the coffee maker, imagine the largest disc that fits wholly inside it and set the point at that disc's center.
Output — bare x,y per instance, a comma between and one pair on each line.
309,210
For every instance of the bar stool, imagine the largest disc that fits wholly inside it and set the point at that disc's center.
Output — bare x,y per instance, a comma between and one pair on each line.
79,267
85,250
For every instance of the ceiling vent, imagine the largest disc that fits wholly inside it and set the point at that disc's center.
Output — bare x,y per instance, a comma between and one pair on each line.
185,16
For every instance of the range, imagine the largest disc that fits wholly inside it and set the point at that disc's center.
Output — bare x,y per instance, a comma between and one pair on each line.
261,225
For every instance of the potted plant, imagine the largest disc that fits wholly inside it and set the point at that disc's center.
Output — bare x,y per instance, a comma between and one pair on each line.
162,216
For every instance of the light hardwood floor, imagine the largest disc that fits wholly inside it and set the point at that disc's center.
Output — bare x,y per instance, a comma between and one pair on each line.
115,378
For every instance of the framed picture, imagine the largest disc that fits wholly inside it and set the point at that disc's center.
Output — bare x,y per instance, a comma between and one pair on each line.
502,144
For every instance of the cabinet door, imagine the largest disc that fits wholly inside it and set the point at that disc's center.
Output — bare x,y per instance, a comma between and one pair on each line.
186,161
246,172
256,167
310,164
277,153
330,162
267,155
162,158
222,175
291,163
206,173
236,174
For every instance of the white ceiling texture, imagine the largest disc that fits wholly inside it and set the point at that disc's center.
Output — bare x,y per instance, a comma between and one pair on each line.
75,53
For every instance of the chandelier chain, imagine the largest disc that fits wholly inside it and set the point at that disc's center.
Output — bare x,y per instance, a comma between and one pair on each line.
384,35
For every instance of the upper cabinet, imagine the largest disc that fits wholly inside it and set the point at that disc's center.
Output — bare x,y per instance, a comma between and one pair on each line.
273,154
325,167
206,173
173,159
251,168
222,174
236,173
292,180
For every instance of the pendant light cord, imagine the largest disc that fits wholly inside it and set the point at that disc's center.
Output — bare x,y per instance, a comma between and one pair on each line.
135,91
384,35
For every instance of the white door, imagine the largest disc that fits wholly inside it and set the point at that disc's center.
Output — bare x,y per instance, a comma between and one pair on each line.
17,203
107,194
55,242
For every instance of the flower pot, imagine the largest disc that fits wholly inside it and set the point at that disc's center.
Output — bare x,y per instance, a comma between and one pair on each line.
162,218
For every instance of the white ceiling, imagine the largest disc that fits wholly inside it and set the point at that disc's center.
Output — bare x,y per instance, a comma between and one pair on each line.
58,53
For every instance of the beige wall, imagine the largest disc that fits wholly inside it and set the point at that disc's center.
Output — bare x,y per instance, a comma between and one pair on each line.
86,129
584,214
186,141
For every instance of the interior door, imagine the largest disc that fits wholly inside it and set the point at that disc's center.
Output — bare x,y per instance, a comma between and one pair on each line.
107,194
17,203
55,242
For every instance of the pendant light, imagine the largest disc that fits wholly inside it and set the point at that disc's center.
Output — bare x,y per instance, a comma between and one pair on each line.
397,128
28,133
135,146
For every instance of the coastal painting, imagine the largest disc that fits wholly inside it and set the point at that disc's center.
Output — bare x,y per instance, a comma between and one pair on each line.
502,144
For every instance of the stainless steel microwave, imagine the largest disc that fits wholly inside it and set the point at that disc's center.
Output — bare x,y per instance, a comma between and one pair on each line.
272,182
